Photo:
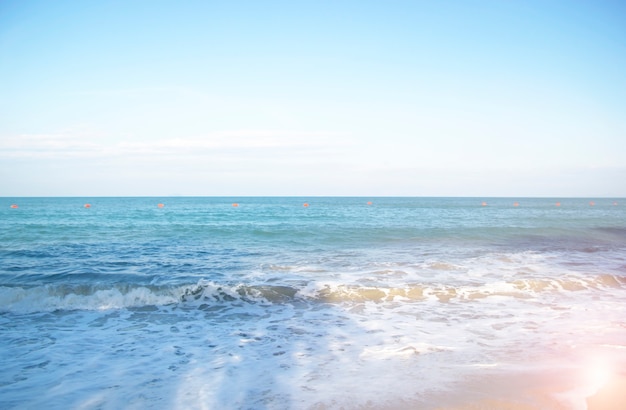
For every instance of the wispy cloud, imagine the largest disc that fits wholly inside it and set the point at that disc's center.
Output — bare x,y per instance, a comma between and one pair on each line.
72,145
45,145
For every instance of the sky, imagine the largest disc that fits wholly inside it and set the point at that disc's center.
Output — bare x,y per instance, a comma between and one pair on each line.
303,98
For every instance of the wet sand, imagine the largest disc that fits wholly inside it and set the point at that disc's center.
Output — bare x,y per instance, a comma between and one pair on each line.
533,392
610,397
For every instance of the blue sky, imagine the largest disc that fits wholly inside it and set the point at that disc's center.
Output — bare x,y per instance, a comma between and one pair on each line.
424,98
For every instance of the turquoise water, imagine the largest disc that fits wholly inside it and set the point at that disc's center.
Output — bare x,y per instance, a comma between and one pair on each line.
271,304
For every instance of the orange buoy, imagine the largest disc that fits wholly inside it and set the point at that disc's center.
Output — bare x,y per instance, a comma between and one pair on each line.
305,205
369,202
484,204
235,205
160,205
558,204
515,203
14,206
591,203
87,205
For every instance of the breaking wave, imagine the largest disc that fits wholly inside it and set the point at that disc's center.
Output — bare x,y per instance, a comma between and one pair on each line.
47,298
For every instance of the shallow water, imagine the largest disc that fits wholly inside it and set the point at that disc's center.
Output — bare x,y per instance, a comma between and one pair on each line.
271,304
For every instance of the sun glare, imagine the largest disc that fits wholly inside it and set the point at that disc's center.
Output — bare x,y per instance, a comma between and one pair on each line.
598,372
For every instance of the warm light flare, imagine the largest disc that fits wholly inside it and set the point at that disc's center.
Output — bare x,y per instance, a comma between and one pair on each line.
598,373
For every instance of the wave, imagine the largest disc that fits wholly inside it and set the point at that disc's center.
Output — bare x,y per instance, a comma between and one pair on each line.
47,298
520,288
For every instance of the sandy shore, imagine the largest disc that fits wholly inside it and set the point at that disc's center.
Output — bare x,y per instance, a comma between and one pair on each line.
533,392
610,397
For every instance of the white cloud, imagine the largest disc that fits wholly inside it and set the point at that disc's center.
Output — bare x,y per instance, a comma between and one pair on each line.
46,145
244,142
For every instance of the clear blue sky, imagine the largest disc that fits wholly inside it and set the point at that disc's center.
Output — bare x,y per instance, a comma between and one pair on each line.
467,98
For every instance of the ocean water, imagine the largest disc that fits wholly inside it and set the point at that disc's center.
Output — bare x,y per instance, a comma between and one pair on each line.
404,302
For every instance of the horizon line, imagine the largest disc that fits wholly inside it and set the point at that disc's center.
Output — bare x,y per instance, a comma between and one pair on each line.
316,196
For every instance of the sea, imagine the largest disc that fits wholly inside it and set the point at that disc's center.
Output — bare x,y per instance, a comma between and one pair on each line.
308,303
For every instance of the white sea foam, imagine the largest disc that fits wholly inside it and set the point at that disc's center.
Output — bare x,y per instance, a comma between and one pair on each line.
343,347
50,298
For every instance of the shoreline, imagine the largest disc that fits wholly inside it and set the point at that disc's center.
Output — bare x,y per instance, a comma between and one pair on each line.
612,396
531,391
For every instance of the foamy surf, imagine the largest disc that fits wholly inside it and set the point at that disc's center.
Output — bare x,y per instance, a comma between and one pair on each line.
47,298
